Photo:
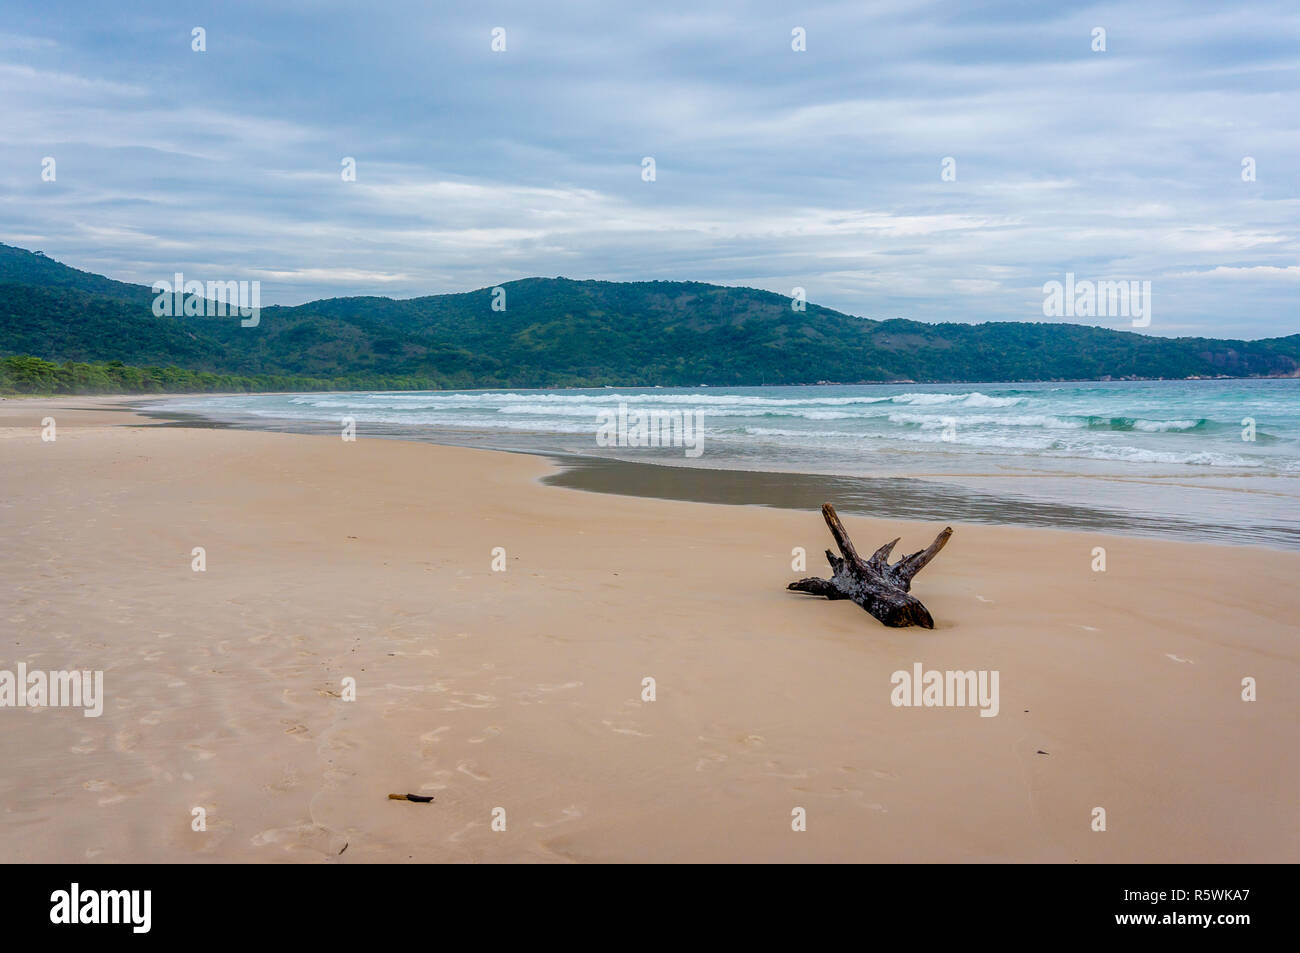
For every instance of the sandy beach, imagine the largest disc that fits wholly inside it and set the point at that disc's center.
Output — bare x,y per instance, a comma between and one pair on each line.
522,690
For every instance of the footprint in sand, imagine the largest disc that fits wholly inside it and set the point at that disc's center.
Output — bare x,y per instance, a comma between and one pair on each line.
112,793
724,737
570,813
302,837
982,599
456,837
491,731
439,785
475,700
219,828
1179,658
472,769
623,729
288,781
434,687
856,795
709,759
433,735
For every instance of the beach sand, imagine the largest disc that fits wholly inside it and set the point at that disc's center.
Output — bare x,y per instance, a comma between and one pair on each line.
522,689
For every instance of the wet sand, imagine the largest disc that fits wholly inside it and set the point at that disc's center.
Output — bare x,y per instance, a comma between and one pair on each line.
1243,508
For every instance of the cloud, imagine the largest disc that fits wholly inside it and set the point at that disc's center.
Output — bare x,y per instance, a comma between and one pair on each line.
775,168
1251,273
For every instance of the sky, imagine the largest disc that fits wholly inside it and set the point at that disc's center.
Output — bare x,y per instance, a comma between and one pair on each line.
775,168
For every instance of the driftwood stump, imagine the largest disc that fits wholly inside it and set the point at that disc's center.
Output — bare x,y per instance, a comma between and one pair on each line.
874,584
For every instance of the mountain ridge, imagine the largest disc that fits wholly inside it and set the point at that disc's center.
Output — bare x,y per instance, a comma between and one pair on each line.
557,332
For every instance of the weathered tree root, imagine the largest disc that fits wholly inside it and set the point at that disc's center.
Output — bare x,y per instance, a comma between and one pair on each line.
874,584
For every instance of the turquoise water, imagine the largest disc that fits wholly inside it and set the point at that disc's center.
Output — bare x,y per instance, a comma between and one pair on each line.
1224,455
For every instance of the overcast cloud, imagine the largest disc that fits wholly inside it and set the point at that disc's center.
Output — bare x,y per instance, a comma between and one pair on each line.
775,168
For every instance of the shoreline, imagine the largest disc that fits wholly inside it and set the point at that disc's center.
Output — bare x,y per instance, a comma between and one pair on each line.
146,395
932,496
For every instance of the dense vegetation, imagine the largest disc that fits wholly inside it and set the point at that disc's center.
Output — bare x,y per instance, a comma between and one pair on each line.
24,374
560,332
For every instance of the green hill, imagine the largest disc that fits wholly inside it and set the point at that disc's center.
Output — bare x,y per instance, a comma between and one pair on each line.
561,332
19,266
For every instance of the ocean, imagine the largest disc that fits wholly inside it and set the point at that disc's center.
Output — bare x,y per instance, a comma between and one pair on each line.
1213,459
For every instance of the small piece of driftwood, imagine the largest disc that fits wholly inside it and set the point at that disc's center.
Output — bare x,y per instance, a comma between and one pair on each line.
874,584
410,797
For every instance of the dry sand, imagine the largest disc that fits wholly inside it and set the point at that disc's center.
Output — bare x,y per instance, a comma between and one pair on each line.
522,689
